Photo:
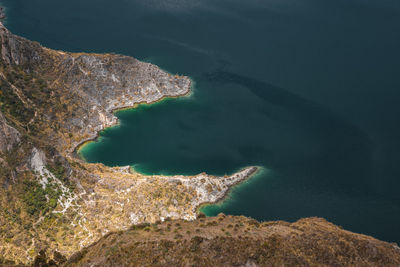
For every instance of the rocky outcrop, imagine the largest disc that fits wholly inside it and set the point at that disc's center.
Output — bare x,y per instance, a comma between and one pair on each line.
116,204
17,50
8,135
106,83
92,85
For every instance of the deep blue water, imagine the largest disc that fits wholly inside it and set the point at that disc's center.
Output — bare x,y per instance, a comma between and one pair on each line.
309,89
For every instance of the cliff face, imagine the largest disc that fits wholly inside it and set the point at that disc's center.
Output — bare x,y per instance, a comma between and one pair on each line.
88,86
238,241
8,135
103,83
16,50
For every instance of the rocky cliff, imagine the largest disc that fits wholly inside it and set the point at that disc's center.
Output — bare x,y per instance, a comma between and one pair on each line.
8,135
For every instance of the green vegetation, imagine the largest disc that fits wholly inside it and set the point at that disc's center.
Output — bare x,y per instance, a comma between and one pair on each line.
12,215
139,226
33,87
11,104
39,200
58,170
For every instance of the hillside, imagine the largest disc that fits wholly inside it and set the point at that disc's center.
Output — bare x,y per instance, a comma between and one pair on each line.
237,241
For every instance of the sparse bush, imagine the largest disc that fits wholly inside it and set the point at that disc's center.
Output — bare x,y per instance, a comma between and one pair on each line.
201,215
178,236
139,226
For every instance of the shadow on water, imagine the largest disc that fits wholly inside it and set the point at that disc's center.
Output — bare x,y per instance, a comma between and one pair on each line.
330,174
345,145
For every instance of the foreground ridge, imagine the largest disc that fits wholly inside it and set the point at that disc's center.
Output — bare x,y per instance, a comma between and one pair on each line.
236,241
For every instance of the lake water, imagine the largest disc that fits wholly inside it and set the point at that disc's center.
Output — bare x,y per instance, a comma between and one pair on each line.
308,89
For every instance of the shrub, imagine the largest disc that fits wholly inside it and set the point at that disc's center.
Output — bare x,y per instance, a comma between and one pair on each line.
201,215
178,236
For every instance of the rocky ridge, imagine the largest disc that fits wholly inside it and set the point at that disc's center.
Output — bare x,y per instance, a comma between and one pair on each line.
237,241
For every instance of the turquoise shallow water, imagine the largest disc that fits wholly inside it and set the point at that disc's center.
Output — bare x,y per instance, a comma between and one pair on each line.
308,89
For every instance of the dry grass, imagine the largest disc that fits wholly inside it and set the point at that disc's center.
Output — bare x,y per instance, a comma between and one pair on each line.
236,241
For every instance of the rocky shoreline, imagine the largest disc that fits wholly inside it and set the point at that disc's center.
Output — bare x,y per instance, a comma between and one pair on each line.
212,189
94,136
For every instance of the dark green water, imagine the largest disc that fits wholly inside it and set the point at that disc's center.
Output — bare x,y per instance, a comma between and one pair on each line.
309,89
